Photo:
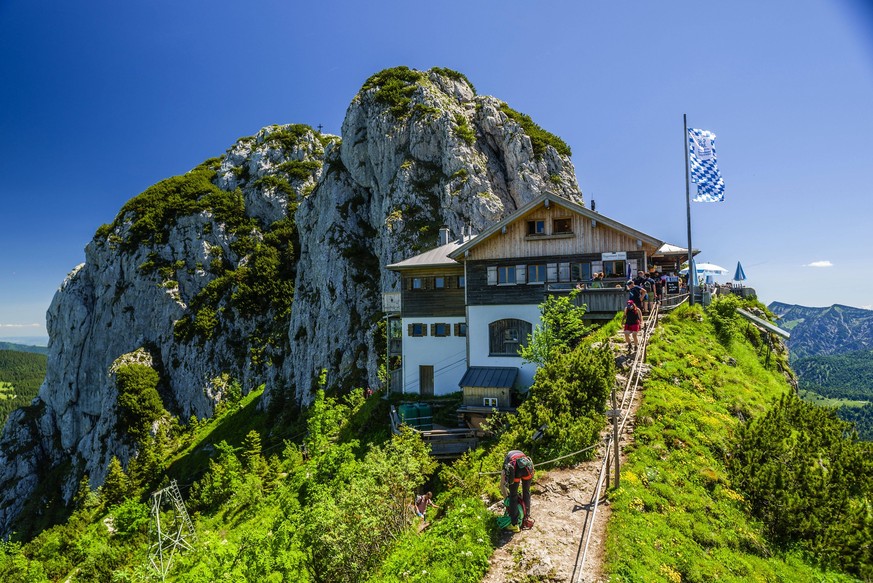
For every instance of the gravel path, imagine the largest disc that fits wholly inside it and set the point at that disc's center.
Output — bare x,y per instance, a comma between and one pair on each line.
561,502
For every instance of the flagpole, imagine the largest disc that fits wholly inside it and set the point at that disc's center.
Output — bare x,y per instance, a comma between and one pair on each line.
688,210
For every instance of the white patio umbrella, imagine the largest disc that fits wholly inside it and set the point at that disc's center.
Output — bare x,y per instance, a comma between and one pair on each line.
707,269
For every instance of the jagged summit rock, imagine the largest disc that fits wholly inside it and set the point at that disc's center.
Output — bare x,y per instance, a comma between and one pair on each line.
200,270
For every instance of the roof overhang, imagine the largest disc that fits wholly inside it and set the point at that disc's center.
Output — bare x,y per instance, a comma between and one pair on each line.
546,200
437,257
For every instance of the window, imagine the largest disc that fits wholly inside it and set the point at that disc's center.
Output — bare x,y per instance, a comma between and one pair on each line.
536,227
563,272
461,329
506,336
560,226
489,401
580,271
462,282
417,283
536,273
440,330
439,282
614,268
506,275
417,330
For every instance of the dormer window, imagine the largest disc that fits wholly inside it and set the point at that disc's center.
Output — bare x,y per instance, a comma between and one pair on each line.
536,227
561,226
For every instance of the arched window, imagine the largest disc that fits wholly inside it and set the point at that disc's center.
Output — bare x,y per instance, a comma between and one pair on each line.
506,336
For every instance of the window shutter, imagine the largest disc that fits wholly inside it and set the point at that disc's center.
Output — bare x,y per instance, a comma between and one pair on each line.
552,272
520,274
492,275
457,329
409,330
563,272
433,329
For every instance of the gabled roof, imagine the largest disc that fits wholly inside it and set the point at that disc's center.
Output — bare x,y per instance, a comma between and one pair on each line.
560,201
438,257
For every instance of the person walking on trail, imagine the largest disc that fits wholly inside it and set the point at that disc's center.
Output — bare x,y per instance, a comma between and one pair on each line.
636,293
422,502
517,467
630,321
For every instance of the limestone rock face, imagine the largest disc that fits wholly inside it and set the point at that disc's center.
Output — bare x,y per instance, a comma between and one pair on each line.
444,157
138,288
198,271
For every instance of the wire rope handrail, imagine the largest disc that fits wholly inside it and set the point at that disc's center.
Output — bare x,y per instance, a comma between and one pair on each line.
628,396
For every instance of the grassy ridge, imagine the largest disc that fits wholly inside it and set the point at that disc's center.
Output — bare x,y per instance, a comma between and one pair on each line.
677,516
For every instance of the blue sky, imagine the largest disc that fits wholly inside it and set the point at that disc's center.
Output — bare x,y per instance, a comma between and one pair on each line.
100,99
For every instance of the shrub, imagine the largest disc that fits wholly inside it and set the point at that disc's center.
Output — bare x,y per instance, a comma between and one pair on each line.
224,478
455,75
568,395
562,329
139,403
116,486
288,136
723,314
540,139
394,88
299,169
810,481
463,129
130,518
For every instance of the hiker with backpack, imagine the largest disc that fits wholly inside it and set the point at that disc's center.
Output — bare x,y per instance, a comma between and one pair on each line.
636,293
631,320
649,300
517,467
421,503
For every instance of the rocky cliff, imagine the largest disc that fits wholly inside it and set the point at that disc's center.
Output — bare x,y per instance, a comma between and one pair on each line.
195,277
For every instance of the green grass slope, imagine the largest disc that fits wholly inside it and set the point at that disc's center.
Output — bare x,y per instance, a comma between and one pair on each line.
325,496
679,516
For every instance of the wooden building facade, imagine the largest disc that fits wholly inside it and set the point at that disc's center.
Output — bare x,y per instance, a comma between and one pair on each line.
482,293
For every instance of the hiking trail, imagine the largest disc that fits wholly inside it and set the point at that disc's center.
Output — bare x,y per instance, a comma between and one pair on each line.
562,501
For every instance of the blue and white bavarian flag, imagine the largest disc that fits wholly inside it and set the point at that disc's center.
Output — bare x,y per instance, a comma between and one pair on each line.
704,169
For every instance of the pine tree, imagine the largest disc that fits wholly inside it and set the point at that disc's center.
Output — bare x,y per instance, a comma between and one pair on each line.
116,486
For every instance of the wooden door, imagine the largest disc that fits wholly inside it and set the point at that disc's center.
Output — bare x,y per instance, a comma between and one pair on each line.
425,380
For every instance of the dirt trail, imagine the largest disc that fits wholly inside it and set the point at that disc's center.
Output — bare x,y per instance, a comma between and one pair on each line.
561,503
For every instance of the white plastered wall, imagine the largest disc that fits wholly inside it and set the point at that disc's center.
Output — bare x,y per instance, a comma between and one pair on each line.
479,319
447,355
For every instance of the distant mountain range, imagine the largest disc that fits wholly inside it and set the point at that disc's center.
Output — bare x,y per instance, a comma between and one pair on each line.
23,347
832,353
832,330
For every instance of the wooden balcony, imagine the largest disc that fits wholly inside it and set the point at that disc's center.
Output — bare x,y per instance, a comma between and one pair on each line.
602,303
